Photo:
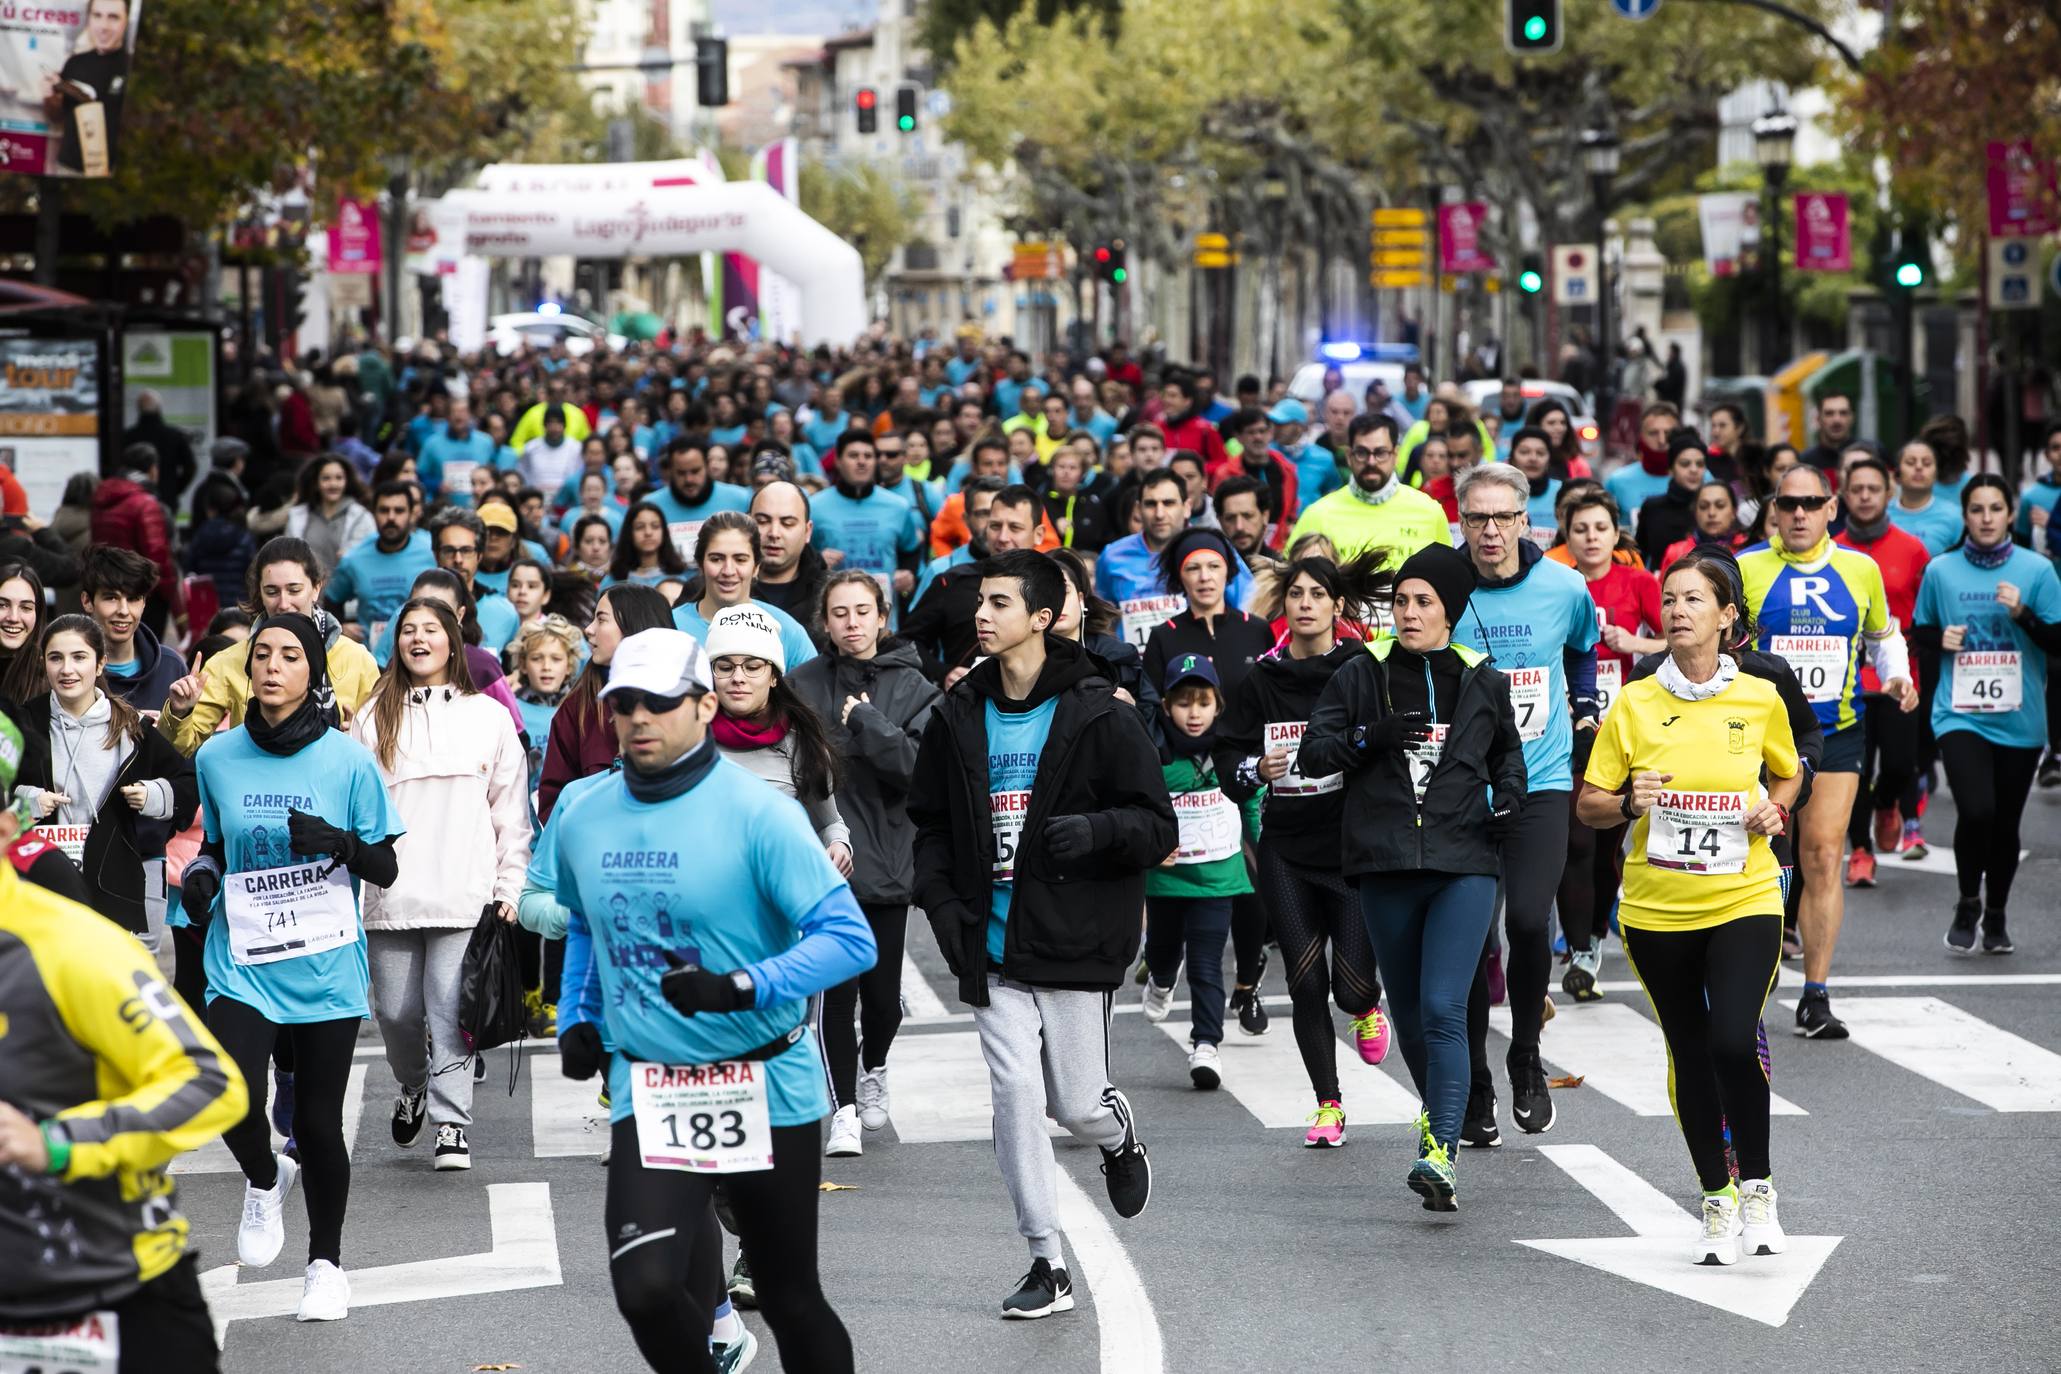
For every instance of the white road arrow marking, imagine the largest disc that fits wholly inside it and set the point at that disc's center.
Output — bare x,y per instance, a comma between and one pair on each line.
1762,1288
525,1255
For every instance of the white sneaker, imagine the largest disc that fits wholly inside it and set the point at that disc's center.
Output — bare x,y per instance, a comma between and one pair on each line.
326,1296
1205,1069
873,1098
844,1134
1761,1229
262,1234
1155,1000
1719,1243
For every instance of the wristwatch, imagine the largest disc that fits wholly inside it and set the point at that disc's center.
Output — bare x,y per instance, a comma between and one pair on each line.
1624,805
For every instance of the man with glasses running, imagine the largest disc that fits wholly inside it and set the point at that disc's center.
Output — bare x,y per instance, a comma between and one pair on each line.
1376,509
1816,605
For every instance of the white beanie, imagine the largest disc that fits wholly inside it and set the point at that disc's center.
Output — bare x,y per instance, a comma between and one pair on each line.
746,631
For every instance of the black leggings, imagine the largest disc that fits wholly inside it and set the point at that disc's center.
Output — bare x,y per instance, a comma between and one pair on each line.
1248,936
322,1066
659,1236
1588,885
165,1325
1708,988
1889,756
1991,783
189,974
1534,857
542,960
876,996
1310,907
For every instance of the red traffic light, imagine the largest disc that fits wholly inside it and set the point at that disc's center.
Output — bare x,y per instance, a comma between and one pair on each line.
1102,255
866,97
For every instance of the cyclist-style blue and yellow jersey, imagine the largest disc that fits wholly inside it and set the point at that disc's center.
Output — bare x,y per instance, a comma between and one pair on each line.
1816,610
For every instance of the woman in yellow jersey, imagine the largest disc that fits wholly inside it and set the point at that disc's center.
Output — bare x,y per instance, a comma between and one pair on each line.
1681,755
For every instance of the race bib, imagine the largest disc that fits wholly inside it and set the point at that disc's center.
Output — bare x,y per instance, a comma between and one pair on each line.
458,477
1528,699
1423,758
702,1118
1698,832
1287,734
77,1345
69,838
684,533
1988,682
1819,662
1007,811
1209,826
1144,614
1609,682
1543,536
289,913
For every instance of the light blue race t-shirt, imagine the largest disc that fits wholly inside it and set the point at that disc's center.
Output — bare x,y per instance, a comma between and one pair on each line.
1016,741
378,581
1956,592
1528,627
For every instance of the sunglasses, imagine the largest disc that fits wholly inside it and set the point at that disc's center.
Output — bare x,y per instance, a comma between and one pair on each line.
1792,504
626,702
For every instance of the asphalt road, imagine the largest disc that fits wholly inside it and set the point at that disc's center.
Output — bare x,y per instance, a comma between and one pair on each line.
1925,1146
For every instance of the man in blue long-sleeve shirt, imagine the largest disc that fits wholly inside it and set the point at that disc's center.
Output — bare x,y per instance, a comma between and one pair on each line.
707,916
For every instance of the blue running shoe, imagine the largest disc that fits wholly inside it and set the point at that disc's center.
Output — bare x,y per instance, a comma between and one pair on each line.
282,1102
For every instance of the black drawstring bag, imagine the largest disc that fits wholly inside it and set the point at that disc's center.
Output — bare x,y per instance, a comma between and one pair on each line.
490,1009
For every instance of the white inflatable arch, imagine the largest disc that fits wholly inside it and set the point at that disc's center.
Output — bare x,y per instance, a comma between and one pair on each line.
528,221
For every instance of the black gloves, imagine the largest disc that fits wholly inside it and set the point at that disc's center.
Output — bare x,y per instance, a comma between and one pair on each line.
197,892
1069,837
579,1051
317,838
1503,816
1584,745
1394,733
689,988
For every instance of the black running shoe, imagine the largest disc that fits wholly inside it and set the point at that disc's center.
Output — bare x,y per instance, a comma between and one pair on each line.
1478,1131
1129,1175
1252,1016
410,1110
1960,936
1814,1018
1531,1104
1044,1290
2050,770
743,1292
1995,939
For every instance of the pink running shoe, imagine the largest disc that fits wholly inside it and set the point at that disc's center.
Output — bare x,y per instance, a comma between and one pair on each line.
1370,1032
1327,1128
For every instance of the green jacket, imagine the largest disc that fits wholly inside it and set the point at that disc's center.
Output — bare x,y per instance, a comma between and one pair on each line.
1194,791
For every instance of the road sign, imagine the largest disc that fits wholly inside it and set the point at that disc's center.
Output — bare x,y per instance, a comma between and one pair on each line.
1574,275
1400,243
1037,261
2014,274
1396,277
1213,251
1398,217
1635,9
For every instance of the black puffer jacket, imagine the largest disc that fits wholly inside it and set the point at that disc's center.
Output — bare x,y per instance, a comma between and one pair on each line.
878,744
1386,830
1301,827
1072,924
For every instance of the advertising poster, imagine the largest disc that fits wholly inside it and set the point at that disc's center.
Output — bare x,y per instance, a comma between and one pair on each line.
49,413
1726,218
1459,239
1824,237
64,72
178,365
2023,198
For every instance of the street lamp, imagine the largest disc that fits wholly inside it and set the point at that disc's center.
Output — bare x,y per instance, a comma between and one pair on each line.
1774,144
1600,155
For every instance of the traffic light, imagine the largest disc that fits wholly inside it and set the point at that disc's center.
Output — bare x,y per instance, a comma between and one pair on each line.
1531,26
905,109
867,102
711,71
1907,263
1531,277
1109,263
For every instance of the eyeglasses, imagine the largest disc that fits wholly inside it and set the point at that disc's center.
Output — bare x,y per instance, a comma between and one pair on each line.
1368,455
1793,504
739,667
626,702
1502,519
458,551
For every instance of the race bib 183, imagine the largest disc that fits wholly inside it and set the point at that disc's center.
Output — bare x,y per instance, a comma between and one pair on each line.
702,1118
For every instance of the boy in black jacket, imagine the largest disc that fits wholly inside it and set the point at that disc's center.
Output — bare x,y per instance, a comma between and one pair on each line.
1039,805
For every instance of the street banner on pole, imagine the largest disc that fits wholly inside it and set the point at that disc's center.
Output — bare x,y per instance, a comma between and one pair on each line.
1459,239
354,237
1824,235
1725,218
2023,200
64,73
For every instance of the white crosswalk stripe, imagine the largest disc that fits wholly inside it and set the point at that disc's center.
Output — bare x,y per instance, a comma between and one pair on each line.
1618,1052
1265,1074
214,1157
1960,1052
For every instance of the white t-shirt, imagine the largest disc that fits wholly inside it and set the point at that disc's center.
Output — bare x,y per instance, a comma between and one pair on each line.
546,468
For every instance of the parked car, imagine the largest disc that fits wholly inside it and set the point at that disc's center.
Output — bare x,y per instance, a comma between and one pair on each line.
540,329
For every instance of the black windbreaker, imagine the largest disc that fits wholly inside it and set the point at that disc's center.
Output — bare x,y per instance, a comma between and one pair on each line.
1237,644
1280,689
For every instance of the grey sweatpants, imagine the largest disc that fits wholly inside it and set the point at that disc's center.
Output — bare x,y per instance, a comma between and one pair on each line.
1046,1046
415,976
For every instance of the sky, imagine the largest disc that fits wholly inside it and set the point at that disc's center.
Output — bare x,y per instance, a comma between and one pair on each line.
739,17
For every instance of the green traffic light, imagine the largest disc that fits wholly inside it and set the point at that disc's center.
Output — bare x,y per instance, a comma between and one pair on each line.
1530,282
1120,275
1909,275
1535,28
906,123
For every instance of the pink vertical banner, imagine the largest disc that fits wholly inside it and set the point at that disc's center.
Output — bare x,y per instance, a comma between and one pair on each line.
1459,239
1824,233
2023,202
354,245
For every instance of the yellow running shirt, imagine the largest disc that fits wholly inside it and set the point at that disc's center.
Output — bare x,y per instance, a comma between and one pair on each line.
1692,863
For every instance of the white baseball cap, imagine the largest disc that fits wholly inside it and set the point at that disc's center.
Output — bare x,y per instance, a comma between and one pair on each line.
665,663
746,631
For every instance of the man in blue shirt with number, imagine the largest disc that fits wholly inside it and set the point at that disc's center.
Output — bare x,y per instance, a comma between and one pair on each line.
705,953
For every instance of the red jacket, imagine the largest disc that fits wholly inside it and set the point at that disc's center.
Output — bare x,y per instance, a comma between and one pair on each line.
578,746
1197,435
127,515
1902,557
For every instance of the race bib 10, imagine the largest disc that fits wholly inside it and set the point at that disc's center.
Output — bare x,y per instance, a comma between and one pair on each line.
1006,811
702,1118
1528,699
1287,734
1144,614
1698,832
1988,682
289,913
1819,662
